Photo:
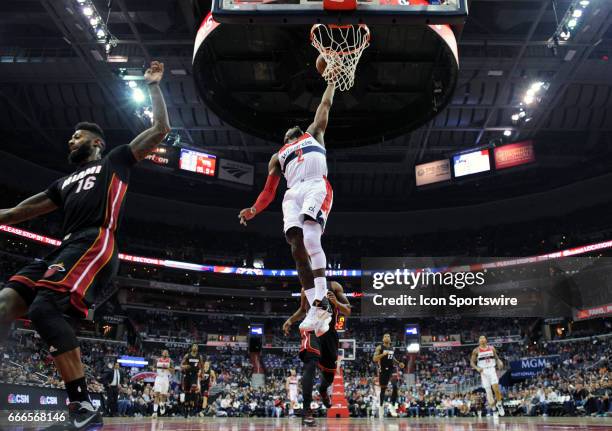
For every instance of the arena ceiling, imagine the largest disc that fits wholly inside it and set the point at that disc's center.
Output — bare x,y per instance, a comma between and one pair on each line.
53,74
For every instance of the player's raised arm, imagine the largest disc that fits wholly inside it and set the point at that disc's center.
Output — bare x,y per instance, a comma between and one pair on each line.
473,359
268,193
318,126
298,315
32,207
147,141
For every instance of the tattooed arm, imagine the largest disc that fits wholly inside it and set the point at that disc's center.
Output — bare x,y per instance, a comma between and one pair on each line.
32,207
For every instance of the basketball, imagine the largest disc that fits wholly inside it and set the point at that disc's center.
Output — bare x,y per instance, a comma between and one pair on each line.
321,64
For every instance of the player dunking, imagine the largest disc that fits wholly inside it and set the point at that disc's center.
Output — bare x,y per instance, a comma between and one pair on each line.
306,206
208,379
484,360
161,387
384,356
321,351
191,365
68,281
291,386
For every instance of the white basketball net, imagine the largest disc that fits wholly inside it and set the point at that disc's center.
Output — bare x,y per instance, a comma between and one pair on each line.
341,46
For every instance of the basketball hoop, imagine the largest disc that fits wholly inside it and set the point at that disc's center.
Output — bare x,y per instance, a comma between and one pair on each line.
341,46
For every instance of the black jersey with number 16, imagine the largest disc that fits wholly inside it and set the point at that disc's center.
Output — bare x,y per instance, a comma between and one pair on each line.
93,195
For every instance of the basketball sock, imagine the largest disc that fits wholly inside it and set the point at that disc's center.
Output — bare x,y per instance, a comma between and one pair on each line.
308,382
155,407
320,288
381,399
77,390
310,295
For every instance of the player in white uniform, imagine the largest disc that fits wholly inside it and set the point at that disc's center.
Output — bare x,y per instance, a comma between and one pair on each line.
165,368
306,206
291,387
485,360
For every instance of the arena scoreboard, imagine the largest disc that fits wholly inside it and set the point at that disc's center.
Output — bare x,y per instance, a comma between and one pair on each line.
198,162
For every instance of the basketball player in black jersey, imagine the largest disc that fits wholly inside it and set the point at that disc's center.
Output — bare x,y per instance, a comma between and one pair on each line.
207,381
319,351
66,283
384,356
191,365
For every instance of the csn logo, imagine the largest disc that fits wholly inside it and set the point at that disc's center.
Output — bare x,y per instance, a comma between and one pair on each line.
48,401
18,399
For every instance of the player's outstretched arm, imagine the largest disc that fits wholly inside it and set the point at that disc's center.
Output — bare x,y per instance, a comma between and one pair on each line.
268,193
32,207
318,126
147,141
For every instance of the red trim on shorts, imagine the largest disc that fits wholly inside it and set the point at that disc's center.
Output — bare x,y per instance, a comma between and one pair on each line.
327,370
23,280
329,196
305,344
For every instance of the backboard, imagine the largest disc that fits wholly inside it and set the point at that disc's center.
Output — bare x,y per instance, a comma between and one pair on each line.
295,12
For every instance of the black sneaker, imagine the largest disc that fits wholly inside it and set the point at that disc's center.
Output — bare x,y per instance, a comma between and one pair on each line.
81,416
308,419
325,399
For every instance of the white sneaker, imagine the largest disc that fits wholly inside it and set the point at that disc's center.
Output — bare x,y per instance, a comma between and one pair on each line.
323,320
392,410
381,412
154,415
500,408
310,321
162,410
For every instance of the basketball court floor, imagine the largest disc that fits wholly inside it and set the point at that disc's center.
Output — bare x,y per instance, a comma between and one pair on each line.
269,424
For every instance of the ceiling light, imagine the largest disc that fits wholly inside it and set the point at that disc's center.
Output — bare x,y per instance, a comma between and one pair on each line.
94,21
572,23
507,133
138,95
515,117
577,13
132,84
584,3
87,11
101,33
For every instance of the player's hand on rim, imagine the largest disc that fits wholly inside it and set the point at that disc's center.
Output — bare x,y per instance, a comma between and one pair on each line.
154,73
246,214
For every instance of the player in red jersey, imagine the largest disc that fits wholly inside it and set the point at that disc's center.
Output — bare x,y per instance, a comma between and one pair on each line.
69,280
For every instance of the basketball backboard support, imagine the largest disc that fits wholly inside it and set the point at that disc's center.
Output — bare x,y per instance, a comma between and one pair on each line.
296,12
348,348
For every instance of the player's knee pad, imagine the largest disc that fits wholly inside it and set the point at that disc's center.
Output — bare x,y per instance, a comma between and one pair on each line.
312,243
53,328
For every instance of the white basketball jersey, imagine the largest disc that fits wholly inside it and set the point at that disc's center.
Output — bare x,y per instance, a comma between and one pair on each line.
486,358
303,159
163,367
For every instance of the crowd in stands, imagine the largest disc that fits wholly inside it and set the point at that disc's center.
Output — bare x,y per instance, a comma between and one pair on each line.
442,383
